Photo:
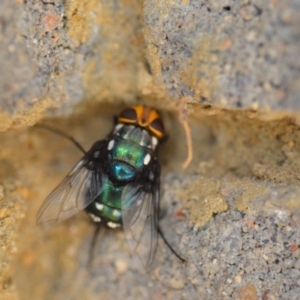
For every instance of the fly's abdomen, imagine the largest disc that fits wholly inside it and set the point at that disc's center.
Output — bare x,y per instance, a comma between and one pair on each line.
108,213
107,205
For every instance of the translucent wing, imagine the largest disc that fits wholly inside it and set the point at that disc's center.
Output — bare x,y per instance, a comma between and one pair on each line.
139,217
76,191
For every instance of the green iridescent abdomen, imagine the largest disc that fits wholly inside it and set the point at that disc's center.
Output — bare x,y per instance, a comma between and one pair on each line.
108,204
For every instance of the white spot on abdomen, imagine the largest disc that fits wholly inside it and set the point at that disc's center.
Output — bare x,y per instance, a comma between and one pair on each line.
116,213
99,206
113,225
95,218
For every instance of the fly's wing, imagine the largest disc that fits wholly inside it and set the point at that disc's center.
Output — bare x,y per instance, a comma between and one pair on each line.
139,215
77,190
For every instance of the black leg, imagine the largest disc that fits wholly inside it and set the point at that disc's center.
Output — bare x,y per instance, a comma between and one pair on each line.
93,243
59,132
168,244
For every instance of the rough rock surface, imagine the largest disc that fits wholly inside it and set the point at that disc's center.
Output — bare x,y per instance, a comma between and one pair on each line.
234,214
226,53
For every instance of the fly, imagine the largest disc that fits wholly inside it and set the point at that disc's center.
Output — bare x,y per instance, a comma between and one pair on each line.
117,182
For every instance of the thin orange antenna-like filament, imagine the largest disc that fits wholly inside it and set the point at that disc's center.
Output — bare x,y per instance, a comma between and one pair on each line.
187,131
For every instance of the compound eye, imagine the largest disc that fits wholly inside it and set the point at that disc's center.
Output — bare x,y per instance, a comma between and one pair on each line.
128,114
157,127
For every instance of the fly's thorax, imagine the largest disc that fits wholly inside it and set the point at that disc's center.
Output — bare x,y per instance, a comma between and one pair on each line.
130,150
137,135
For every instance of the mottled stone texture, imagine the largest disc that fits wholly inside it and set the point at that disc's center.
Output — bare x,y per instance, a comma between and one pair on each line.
38,59
234,214
227,53
57,53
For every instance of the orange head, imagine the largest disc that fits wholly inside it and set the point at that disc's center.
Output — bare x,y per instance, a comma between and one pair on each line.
145,117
